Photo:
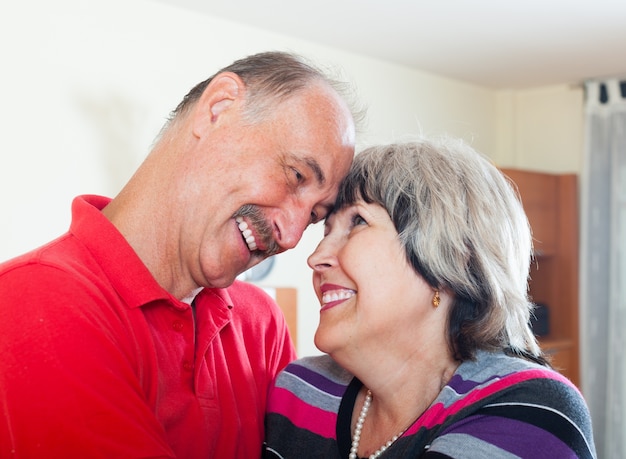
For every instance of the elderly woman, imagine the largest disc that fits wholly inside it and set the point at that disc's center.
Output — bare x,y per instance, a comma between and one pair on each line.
424,321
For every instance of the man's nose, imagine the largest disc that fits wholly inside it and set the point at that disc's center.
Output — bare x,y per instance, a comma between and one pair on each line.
292,226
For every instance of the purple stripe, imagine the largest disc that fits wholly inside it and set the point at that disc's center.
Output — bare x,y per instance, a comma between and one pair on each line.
317,380
462,386
513,436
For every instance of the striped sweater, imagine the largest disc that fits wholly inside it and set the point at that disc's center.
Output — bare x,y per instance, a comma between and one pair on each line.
495,407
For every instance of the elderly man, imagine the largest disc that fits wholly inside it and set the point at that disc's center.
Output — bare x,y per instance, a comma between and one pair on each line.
129,336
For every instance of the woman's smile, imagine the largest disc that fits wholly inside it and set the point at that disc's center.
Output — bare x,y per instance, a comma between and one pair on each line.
332,295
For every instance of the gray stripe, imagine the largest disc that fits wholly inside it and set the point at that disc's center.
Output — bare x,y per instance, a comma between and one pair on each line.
463,446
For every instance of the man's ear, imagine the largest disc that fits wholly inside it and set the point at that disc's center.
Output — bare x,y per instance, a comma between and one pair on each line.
225,91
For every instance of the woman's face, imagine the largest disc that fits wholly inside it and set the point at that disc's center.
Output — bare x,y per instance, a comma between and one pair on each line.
371,298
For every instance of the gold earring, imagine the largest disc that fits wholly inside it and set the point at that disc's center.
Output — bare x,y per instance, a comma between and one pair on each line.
436,299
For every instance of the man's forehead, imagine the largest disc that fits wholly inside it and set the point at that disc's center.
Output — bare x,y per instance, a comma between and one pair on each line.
314,165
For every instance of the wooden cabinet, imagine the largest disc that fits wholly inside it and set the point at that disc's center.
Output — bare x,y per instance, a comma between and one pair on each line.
551,203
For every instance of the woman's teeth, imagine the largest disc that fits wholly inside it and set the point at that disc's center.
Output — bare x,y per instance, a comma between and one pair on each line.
336,295
246,233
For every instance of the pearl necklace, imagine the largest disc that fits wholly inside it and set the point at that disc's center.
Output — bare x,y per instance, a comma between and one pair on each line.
356,438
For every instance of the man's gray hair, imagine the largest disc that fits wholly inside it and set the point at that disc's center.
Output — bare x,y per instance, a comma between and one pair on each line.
272,77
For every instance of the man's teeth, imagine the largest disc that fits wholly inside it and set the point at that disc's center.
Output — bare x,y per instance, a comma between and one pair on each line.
246,233
336,295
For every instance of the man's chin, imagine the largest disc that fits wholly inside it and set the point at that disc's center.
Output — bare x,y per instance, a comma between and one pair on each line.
223,280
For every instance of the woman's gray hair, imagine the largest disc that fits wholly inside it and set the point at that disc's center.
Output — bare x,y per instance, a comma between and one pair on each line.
464,230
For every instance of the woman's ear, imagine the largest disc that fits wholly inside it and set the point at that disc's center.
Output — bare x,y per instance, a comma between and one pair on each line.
224,92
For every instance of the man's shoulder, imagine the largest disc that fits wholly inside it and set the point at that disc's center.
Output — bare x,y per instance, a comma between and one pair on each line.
60,257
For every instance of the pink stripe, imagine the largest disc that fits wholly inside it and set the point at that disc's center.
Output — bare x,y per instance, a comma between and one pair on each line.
438,413
302,414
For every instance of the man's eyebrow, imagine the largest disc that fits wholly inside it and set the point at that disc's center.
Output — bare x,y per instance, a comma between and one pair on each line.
316,168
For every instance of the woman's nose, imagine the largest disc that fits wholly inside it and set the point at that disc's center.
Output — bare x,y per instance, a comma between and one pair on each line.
322,257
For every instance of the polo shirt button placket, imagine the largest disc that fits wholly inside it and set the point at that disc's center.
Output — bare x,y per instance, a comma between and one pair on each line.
179,325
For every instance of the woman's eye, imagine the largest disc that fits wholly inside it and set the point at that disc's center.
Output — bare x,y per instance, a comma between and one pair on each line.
358,220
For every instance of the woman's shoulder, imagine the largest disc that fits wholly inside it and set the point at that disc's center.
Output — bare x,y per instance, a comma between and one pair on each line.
500,378
309,385
493,367
501,397
319,371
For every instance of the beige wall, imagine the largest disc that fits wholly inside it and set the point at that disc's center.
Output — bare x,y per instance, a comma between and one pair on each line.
85,88
541,129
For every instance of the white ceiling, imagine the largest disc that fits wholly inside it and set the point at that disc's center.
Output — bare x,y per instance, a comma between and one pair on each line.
494,43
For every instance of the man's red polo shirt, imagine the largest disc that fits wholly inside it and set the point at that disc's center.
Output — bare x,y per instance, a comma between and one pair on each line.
97,360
